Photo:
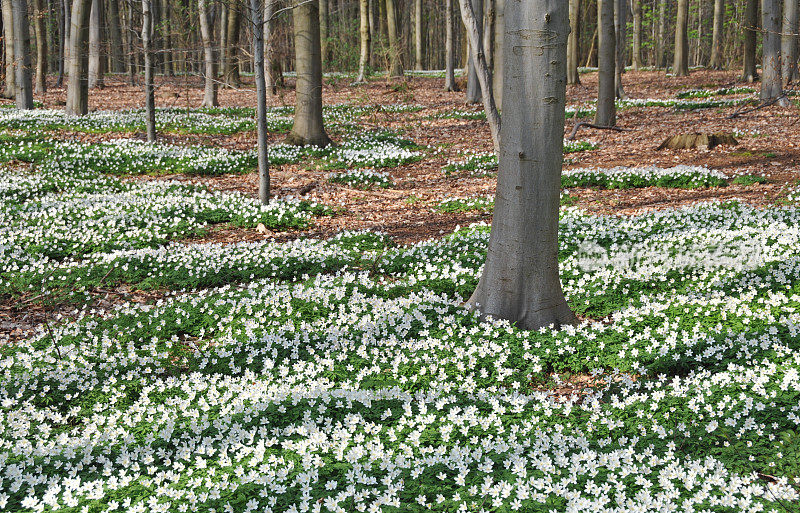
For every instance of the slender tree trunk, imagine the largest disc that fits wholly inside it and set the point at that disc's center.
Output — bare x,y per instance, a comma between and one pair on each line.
468,16
41,46
498,31
115,37
232,46
520,281
449,75
22,57
771,83
78,69
680,65
63,40
96,61
573,43
374,31
149,89
209,61
395,52
789,41
418,35
749,73
606,114
130,50
717,34
270,80
8,41
620,26
308,126
473,83
261,100
661,47
637,34
488,32
363,60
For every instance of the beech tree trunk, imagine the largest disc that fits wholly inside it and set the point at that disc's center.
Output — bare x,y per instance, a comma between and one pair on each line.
749,73
261,100
209,60
418,35
661,47
363,60
680,64
449,74
270,80
606,113
620,29
8,40
40,85
488,32
78,69
789,41
771,83
520,281
395,52
63,39
468,16
324,27
22,57
115,37
473,84
637,34
308,126
573,45
149,89
96,60
232,46
717,34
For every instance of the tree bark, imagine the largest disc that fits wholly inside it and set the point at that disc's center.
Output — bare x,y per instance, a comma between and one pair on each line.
661,47
165,30
308,126
149,89
771,83
395,52
363,60
96,61
78,83
418,35
40,85
488,32
115,37
680,64
232,77
473,83
324,28
498,29
717,34
606,113
482,70
520,281
789,41
209,60
637,34
261,100
22,57
573,43
749,73
8,40
620,26
270,80
449,74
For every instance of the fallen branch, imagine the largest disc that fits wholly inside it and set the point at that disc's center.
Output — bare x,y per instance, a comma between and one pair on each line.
758,107
571,136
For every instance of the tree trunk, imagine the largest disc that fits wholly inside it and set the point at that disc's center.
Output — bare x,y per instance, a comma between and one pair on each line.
270,80
232,78
63,41
395,52
680,64
418,35
261,100
165,30
789,41
498,29
8,40
771,83
210,63
468,16
41,46
149,90
573,43
115,37
473,84
717,34
520,281
96,61
22,57
661,47
606,114
620,26
308,126
749,73
130,50
449,74
363,60
324,27
78,83
637,34
488,32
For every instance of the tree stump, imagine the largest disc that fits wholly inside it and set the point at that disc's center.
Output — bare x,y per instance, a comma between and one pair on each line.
697,140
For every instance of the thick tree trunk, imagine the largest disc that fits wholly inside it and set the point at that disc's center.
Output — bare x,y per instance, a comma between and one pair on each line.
717,34
232,46
261,100
209,61
520,281
115,37
78,69
363,60
40,85
22,60
468,16
96,58
473,84
449,74
749,73
308,126
661,47
395,52
680,64
573,43
789,41
637,34
149,89
606,114
418,35
771,83
8,41
620,26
